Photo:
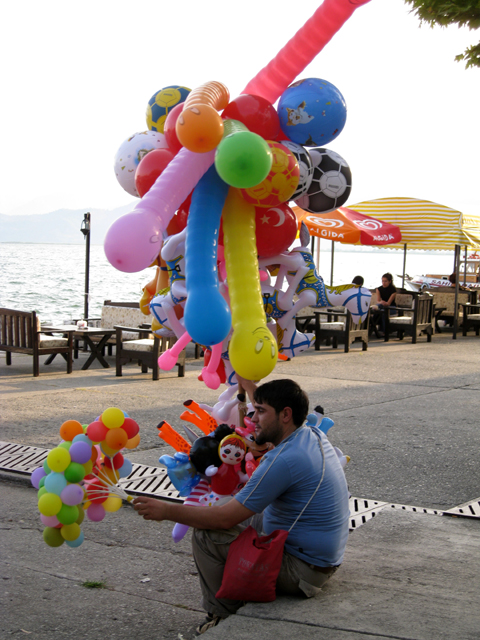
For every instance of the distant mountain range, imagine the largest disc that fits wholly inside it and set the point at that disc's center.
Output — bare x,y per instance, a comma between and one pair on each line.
62,226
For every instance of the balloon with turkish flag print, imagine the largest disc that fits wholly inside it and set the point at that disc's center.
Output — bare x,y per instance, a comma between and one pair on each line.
275,229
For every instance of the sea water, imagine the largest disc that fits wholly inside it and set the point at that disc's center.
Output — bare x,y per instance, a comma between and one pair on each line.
50,278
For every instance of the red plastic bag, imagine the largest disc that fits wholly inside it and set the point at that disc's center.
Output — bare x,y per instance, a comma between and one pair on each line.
252,567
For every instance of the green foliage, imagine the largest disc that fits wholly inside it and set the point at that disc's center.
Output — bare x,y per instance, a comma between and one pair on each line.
464,13
94,585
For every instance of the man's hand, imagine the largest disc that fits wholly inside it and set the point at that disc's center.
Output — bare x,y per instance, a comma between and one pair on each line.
150,508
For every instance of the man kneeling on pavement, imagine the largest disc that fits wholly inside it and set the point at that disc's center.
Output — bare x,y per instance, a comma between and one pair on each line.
286,484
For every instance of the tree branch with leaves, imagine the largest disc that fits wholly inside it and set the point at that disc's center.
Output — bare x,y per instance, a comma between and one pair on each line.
464,13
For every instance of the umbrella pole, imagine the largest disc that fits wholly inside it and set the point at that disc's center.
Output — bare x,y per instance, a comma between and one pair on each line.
465,268
457,274
318,256
404,264
331,264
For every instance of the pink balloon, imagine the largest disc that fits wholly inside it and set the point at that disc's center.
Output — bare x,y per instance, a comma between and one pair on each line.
133,241
49,521
95,512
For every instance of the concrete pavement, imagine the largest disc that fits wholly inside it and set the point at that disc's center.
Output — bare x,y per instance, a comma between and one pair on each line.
406,414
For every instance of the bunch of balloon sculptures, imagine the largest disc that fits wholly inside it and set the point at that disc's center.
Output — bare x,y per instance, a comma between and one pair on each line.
215,177
208,470
80,476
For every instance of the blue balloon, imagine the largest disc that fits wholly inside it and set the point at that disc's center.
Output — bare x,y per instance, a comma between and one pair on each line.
77,542
312,112
55,483
126,468
82,438
207,316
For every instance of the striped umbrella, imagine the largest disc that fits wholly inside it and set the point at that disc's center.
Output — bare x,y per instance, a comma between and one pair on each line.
424,225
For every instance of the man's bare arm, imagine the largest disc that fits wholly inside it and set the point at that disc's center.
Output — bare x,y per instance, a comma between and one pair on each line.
222,517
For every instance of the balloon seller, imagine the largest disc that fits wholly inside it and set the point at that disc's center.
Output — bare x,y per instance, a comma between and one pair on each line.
299,487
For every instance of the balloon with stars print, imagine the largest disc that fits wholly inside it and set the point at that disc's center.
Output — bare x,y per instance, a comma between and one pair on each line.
275,229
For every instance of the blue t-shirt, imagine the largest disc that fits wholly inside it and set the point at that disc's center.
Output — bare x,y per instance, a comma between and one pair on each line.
281,491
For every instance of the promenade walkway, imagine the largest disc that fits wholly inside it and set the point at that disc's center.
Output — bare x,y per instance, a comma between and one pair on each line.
407,415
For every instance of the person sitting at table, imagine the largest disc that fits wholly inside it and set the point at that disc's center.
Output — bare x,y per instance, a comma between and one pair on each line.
358,280
385,299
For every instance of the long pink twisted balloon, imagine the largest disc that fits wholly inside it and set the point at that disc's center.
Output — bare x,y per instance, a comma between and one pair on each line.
300,50
133,241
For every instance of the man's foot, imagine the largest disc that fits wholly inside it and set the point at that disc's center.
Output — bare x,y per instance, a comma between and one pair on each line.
210,621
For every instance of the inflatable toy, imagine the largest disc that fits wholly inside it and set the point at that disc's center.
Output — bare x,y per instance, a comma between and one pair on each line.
252,349
256,113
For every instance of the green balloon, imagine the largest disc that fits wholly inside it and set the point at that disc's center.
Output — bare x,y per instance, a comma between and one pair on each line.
67,514
243,159
81,516
53,537
46,468
75,472
41,491
66,444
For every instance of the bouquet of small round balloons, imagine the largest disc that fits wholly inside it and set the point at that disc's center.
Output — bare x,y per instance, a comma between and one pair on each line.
80,476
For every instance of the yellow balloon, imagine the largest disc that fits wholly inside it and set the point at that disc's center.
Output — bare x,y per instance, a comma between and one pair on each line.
108,451
252,349
113,418
49,504
112,503
70,531
88,467
58,459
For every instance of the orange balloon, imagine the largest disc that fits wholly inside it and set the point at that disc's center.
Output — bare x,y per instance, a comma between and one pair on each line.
116,438
70,429
133,442
108,451
199,128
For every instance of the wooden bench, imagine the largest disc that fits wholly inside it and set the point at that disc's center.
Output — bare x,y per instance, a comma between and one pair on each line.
471,318
415,316
334,325
445,299
20,332
145,348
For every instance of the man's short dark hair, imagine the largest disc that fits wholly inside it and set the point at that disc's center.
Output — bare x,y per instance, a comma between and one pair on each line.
284,393
358,280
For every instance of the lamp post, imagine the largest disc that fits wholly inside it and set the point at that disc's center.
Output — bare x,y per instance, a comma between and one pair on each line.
85,229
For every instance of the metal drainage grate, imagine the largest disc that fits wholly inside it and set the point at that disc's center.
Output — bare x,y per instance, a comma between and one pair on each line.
154,481
466,510
362,510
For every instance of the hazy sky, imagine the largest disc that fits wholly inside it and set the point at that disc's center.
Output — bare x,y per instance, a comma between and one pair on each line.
76,79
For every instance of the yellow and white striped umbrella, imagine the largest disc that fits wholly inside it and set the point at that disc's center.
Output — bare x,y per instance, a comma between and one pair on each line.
424,225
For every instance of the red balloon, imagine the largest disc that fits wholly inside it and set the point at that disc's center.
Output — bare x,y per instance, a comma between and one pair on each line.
96,431
275,229
130,427
256,113
150,167
179,220
169,128
114,463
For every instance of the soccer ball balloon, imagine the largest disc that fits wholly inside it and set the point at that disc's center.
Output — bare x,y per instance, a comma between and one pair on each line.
161,103
281,182
305,164
331,183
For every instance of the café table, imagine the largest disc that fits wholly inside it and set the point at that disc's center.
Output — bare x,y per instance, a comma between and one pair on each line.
86,334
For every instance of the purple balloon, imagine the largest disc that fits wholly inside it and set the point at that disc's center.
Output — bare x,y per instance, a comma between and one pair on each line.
37,475
72,495
80,452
